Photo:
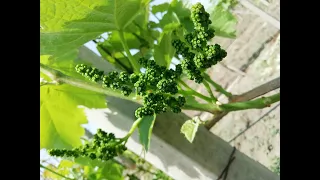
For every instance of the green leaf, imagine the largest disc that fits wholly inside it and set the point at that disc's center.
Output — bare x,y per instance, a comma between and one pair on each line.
190,128
60,117
145,34
45,77
145,130
223,22
168,18
115,42
65,26
160,8
114,57
110,171
69,168
191,99
143,18
89,172
164,51
65,167
48,174
177,12
66,164
183,13
66,64
85,161
112,50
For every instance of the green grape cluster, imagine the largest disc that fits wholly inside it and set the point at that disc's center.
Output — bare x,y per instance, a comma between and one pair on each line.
114,80
104,146
194,48
157,85
158,103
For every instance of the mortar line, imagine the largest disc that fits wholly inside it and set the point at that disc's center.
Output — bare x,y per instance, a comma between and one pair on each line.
251,125
261,13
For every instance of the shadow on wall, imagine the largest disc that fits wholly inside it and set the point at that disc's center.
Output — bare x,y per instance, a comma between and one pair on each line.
115,119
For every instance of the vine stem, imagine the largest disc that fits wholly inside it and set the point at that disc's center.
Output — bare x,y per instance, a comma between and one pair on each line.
253,104
48,169
133,62
195,93
62,78
133,127
207,86
115,59
249,95
218,87
210,107
237,106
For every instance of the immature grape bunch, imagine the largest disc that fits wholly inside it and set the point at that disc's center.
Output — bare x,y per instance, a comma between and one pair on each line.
200,17
198,55
155,85
114,80
104,146
90,72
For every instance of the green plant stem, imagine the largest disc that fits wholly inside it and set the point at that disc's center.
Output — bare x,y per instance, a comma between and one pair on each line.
190,91
207,86
249,95
42,166
218,87
211,108
253,104
133,127
133,62
62,78
129,70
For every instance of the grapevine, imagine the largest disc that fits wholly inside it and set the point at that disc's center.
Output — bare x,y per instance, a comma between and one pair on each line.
198,55
158,85
147,79
104,146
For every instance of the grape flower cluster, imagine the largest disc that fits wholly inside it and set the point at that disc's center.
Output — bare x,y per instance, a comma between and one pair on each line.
197,54
157,85
104,146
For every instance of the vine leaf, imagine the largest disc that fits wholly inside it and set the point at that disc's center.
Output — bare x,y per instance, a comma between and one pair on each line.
85,161
48,174
160,8
60,117
223,21
66,25
145,130
114,56
178,7
63,168
176,12
164,51
115,42
190,128
110,171
66,64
